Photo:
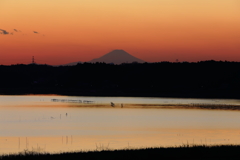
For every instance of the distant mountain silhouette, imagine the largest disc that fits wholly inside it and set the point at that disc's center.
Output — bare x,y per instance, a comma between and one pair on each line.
70,64
117,57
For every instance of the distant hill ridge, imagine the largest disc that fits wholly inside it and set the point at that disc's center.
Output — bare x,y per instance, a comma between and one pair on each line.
117,57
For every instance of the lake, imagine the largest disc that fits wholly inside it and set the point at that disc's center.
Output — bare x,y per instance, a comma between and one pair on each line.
54,123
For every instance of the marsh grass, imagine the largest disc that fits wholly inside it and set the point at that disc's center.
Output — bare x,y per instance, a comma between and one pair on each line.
205,106
185,152
102,147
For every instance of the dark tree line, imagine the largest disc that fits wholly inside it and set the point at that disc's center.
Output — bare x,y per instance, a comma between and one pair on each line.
202,79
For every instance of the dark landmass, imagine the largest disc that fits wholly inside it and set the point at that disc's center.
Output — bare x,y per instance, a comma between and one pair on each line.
186,152
206,79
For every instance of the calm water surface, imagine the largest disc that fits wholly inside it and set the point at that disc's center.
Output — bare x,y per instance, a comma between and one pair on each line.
36,122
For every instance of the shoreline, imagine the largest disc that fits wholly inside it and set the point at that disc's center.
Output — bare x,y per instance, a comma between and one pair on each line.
213,94
164,106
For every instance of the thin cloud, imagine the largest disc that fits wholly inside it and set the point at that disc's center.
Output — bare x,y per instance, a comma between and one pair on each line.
5,32
2,31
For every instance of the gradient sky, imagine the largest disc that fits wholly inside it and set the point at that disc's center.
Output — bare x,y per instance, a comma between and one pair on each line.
63,31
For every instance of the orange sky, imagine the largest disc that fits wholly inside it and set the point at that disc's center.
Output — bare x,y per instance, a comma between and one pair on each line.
152,30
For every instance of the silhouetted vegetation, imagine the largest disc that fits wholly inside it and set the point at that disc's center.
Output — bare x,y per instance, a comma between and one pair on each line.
208,79
184,152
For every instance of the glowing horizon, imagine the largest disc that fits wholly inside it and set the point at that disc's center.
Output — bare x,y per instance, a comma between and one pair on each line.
60,31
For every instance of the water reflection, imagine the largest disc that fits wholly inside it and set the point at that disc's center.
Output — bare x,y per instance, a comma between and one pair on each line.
164,137
40,124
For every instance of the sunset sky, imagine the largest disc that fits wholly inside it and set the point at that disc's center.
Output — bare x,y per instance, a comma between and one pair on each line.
64,31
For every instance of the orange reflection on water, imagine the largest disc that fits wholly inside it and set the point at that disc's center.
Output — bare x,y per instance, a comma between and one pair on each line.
39,124
154,138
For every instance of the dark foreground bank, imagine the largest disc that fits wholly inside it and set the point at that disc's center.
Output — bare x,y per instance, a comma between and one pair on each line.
226,152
